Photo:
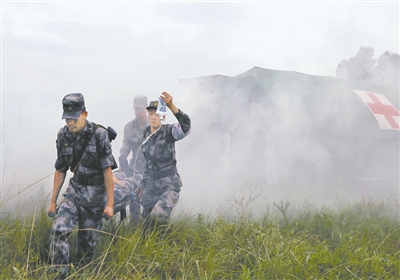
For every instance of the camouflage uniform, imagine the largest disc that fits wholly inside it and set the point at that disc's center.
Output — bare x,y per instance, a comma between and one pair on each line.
85,197
161,182
124,194
131,144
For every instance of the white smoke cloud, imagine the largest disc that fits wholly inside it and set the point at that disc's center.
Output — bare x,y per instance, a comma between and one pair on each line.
113,51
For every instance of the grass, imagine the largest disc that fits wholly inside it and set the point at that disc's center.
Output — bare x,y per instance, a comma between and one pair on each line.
360,241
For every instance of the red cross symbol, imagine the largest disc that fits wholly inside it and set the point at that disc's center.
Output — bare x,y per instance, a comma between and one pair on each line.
388,111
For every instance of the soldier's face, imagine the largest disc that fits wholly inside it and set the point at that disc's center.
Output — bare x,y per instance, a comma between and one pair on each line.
140,113
76,125
154,119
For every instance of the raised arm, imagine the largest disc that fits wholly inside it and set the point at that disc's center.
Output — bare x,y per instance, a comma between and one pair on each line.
168,100
182,129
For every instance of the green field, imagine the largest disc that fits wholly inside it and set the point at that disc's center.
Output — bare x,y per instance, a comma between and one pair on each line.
359,241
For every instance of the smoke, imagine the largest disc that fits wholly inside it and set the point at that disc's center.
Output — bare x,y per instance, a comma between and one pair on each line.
296,137
299,138
111,52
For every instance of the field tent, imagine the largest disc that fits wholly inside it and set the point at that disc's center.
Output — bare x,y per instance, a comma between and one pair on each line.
283,128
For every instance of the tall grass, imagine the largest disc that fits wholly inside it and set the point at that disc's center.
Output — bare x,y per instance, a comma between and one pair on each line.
360,241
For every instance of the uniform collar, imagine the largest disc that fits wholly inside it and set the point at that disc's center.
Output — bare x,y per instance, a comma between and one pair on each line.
148,129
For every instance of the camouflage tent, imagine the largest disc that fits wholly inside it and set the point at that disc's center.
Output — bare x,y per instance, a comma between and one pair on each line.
280,127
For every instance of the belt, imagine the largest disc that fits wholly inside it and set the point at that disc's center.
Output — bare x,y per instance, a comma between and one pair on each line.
89,181
162,174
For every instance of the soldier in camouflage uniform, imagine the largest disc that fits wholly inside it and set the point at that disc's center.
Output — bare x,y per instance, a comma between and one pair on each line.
161,183
85,148
133,131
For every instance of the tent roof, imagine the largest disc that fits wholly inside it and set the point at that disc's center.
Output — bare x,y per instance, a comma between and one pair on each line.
294,101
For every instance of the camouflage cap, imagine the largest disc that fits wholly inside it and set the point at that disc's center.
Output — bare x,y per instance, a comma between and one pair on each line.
140,101
152,105
73,105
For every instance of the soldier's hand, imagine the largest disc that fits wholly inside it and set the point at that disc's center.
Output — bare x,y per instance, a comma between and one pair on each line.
167,98
108,212
138,192
51,212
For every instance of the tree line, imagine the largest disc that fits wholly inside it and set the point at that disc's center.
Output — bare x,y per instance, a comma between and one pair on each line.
363,66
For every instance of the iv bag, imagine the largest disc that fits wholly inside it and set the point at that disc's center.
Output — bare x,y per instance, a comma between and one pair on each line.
161,108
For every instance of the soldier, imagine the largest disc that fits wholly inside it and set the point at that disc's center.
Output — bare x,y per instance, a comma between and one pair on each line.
133,130
131,145
85,148
161,183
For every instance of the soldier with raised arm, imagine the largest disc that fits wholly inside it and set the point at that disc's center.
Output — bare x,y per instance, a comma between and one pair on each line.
161,183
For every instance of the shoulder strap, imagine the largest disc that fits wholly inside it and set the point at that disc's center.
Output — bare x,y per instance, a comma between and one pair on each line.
92,127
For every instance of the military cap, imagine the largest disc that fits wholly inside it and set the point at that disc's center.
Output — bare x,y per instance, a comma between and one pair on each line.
73,105
140,101
152,105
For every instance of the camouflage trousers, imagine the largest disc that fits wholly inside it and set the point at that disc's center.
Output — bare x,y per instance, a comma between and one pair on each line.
69,215
134,210
160,196
123,195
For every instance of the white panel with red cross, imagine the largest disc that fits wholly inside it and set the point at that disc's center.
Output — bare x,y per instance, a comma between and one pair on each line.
386,114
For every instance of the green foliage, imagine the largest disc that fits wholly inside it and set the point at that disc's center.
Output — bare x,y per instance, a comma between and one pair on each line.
361,241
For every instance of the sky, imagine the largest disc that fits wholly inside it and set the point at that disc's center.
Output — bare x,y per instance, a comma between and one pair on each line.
112,51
